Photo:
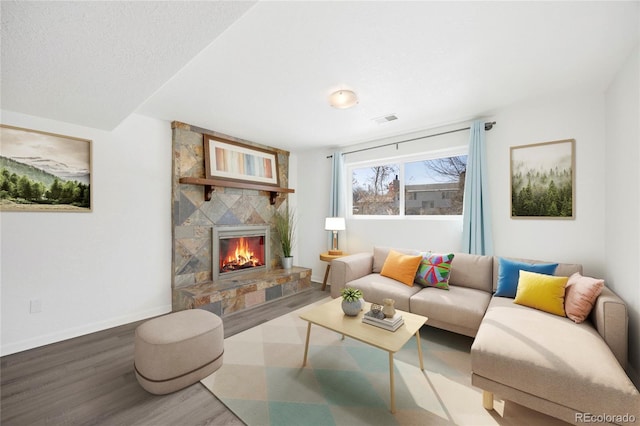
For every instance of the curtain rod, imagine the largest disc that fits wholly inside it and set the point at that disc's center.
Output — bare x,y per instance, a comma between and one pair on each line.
487,126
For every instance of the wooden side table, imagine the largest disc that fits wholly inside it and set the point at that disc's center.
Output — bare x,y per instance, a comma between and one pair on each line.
326,257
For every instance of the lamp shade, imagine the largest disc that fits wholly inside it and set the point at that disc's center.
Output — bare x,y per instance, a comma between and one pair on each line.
334,224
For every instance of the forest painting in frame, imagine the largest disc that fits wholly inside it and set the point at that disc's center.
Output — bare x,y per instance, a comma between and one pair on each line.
226,159
543,180
42,172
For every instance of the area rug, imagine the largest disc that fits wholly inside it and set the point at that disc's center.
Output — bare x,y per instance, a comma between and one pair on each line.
346,382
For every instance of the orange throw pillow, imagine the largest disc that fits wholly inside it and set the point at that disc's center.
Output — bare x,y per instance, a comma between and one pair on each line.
401,267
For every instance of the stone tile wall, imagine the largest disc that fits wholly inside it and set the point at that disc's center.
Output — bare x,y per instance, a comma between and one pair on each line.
194,218
234,294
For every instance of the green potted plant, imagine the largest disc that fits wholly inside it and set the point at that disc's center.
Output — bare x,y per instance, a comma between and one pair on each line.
285,226
351,301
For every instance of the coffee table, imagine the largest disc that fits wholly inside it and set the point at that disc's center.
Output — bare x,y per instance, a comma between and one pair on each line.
329,315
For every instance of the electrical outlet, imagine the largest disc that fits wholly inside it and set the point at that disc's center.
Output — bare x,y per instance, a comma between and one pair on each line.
35,306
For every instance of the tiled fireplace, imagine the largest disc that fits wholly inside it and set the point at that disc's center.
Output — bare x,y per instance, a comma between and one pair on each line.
224,258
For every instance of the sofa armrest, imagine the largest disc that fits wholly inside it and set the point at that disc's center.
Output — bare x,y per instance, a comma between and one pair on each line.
610,318
349,268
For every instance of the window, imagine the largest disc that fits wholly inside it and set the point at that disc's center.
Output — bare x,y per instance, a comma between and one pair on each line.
376,190
417,186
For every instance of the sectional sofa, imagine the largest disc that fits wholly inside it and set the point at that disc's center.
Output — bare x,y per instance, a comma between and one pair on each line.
572,371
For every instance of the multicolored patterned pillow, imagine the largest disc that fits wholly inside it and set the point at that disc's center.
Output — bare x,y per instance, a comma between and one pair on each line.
434,270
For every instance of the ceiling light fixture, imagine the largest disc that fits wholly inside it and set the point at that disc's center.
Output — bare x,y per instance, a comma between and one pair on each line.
343,99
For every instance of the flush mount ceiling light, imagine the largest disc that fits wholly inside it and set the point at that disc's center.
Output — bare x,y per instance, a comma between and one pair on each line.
343,99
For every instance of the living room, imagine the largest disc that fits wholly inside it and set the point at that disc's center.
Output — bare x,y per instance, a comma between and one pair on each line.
88,272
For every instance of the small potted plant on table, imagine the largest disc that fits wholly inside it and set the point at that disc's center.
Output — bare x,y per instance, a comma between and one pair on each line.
351,301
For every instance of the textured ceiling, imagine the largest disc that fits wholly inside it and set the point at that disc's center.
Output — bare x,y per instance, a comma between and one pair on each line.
264,71
94,62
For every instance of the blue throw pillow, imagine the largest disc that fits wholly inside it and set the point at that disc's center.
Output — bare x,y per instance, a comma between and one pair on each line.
509,273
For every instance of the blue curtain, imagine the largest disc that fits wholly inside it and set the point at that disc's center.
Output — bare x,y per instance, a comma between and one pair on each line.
476,215
336,197
336,200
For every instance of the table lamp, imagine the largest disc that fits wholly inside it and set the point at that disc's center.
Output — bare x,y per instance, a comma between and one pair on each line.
334,224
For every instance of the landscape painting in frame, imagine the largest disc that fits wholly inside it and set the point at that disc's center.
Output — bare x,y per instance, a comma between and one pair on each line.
235,161
42,171
543,180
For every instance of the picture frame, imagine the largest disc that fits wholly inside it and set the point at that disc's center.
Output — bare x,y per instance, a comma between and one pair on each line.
44,172
238,162
542,177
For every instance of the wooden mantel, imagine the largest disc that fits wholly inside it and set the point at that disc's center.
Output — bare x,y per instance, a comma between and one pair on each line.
210,184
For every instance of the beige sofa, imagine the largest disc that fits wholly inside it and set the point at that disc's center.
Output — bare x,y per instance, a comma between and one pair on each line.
574,372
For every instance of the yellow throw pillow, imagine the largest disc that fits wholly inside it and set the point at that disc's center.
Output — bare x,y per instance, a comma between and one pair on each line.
401,267
540,291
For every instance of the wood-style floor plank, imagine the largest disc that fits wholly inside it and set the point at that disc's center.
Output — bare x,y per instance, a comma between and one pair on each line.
89,380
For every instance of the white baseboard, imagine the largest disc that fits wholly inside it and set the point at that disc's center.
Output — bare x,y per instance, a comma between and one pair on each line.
70,333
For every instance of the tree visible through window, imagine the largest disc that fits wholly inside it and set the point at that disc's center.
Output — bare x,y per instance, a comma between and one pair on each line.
426,187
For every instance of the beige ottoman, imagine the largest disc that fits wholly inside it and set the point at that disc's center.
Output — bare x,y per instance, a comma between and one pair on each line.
177,350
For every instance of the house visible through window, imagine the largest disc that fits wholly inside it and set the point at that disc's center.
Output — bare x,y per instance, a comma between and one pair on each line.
430,186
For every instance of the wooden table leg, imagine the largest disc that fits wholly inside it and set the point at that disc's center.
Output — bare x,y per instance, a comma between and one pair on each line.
306,345
326,275
392,387
419,349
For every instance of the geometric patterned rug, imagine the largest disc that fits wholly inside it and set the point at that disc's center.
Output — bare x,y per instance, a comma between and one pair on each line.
346,382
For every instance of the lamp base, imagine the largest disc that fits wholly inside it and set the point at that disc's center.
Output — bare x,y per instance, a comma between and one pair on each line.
335,252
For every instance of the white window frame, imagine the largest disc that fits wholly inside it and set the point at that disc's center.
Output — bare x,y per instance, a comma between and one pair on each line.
401,161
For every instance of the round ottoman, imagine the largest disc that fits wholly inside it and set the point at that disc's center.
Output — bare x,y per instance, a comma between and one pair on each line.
177,350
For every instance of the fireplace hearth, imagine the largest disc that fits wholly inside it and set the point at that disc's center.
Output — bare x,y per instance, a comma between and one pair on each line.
239,249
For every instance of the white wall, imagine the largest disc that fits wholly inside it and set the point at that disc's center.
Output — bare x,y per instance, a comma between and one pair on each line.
581,240
92,271
570,116
622,199
312,205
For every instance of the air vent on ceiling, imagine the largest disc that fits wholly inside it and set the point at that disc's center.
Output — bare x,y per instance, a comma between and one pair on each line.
385,118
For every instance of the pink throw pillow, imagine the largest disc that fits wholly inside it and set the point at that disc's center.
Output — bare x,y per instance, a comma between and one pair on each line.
580,295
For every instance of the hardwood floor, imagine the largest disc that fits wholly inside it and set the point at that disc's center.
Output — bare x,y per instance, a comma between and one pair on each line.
89,380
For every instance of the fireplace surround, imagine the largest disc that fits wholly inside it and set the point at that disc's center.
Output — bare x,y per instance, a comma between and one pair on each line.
198,212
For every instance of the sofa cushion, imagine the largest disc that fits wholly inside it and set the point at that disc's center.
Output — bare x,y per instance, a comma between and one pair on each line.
540,291
434,270
380,255
401,267
472,271
552,358
580,295
461,306
508,274
375,287
563,269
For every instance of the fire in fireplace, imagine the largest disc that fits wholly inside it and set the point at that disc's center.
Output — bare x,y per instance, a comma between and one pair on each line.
239,249
241,253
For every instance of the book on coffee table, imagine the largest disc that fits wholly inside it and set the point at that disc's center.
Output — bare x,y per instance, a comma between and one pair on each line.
391,324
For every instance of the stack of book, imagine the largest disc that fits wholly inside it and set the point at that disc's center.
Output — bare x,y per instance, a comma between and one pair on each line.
391,324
